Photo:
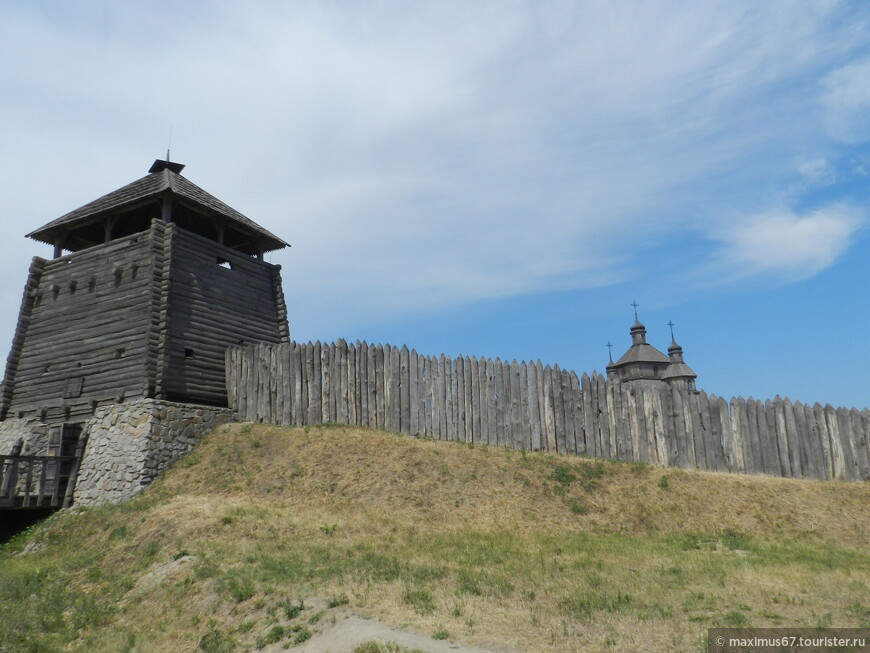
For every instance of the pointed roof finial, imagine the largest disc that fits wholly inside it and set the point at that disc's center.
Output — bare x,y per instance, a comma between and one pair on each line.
635,304
610,351
671,324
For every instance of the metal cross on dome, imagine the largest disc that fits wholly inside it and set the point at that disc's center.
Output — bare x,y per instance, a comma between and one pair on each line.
635,304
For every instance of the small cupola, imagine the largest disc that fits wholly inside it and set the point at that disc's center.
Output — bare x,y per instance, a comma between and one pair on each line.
678,373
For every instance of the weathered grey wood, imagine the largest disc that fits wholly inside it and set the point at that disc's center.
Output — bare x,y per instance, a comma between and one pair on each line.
413,394
444,398
459,392
820,464
351,379
809,461
589,407
296,363
317,388
396,390
549,416
561,391
735,438
794,447
371,387
534,406
576,415
608,432
861,430
327,399
380,410
478,404
751,444
676,451
712,439
540,435
768,441
845,432
468,385
860,424
404,394
514,421
497,398
656,426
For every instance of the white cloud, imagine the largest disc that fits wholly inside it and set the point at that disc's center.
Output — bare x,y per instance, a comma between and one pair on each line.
817,170
428,155
785,245
847,102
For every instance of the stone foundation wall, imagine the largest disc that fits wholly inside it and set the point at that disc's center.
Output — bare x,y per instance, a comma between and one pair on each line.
130,444
32,431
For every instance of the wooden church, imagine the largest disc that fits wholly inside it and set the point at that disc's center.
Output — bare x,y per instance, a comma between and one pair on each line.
147,288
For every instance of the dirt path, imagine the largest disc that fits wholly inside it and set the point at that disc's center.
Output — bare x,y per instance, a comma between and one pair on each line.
349,631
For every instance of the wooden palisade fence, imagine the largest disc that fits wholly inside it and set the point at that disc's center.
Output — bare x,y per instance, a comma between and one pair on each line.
542,408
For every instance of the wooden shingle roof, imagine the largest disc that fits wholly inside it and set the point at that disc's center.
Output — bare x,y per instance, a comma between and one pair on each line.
153,186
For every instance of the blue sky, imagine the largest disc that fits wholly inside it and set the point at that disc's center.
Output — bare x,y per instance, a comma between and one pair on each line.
488,178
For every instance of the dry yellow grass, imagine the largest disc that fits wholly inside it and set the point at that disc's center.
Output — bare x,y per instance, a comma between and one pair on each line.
499,548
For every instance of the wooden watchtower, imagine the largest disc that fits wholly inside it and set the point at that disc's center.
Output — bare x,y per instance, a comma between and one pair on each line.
147,288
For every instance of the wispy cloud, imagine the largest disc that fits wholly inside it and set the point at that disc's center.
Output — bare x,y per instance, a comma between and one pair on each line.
847,102
786,246
438,155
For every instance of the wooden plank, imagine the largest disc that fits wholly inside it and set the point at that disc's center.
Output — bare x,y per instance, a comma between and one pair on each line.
559,409
862,435
735,436
752,444
577,414
592,448
342,409
296,364
614,416
845,433
380,385
449,398
404,390
473,366
604,395
327,398
396,390
371,387
534,405
429,394
794,445
674,427
822,457
501,391
712,439
443,388
362,395
515,437
459,416
768,441
549,411
487,408
414,403
317,388
665,435
352,384
809,462
540,404
469,385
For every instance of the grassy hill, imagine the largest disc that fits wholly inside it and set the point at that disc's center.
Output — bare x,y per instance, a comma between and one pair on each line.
264,536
